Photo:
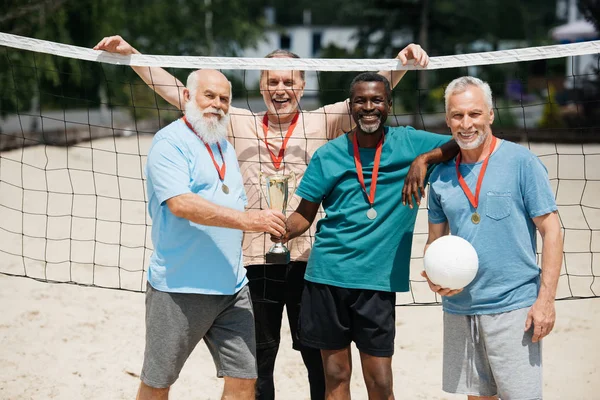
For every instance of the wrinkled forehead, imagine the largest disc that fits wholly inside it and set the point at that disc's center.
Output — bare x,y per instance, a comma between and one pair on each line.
368,89
281,75
472,98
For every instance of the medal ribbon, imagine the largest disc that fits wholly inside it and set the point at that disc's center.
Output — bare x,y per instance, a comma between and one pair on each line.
474,200
359,171
278,158
220,170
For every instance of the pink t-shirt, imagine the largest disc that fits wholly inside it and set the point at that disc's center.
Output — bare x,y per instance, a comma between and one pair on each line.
313,129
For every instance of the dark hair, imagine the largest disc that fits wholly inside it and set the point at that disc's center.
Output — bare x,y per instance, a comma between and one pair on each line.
371,77
283,54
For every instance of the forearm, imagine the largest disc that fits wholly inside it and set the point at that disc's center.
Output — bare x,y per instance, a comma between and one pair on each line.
296,225
163,83
203,212
394,77
552,253
445,152
436,231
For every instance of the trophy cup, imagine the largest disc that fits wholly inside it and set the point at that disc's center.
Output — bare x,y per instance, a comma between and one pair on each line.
277,192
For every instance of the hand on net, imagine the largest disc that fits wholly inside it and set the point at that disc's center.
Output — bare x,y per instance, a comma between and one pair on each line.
115,44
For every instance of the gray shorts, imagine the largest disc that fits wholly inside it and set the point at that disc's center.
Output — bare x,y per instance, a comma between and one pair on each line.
176,322
487,355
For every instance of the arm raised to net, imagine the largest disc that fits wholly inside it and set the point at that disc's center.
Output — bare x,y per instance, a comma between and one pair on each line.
162,82
412,52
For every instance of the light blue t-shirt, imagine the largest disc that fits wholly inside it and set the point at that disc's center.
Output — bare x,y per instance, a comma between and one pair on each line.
350,250
188,257
515,189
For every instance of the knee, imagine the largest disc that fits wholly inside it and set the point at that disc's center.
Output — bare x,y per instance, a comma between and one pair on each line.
149,392
336,373
380,383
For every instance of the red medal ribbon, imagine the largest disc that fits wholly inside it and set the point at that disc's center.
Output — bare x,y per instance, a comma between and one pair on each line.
220,170
474,200
278,158
359,171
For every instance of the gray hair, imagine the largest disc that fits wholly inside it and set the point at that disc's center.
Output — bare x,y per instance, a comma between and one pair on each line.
192,85
461,84
280,53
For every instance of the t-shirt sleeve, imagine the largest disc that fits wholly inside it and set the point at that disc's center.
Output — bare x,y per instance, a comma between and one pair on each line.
168,170
435,213
535,186
313,186
423,141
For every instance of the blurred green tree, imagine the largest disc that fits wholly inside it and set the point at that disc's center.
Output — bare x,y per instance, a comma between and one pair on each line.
176,27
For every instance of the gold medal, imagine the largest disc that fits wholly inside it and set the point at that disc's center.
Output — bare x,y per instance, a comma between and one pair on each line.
475,218
225,189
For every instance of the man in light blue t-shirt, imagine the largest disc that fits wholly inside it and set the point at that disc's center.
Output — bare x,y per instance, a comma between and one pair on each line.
361,253
495,194
197,286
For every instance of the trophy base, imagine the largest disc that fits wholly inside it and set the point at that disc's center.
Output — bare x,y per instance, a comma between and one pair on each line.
278,254
277,258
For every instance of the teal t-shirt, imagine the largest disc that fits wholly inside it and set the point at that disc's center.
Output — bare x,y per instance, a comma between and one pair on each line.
350,250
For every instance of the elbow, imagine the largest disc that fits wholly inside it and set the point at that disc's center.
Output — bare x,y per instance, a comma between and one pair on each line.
176,207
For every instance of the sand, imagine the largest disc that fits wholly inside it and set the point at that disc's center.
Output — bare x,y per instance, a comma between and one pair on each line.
84,220
68,342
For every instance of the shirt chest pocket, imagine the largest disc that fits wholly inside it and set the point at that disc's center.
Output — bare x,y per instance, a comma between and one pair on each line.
498,205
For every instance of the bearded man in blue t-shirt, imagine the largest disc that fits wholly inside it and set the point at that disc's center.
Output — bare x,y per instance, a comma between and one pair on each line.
197,285
361,253
495,194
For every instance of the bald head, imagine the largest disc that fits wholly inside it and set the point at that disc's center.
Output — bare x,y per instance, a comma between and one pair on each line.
201,76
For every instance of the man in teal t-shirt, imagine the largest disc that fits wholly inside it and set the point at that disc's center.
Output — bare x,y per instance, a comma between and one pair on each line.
362,247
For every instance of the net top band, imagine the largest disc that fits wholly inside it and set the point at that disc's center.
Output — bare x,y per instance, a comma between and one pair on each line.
305,64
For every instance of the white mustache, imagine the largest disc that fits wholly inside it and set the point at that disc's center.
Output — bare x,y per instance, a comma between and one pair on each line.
212,110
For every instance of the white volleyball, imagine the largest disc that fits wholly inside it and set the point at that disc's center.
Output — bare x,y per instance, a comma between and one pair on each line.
451,262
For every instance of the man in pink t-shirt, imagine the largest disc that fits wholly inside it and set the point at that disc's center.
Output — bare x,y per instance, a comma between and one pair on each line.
278,141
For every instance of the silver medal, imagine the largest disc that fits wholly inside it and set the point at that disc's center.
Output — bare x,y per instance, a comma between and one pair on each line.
371,214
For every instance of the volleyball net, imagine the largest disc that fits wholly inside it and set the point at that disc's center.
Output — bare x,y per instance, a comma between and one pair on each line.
76,125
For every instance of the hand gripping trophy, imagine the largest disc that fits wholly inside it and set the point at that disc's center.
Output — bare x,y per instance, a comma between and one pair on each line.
277,195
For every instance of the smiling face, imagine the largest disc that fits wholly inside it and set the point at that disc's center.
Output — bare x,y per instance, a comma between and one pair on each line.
208,97
469,118
281,91
369,105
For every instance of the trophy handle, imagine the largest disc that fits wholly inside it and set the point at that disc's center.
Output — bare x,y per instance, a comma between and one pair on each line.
293,175
262,187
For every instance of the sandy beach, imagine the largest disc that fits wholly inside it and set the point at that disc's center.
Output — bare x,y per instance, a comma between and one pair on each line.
78,215
68,342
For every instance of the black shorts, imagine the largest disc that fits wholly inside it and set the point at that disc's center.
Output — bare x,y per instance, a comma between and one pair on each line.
272,287
332,317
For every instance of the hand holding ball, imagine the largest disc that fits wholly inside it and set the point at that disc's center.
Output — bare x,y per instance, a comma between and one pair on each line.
451,262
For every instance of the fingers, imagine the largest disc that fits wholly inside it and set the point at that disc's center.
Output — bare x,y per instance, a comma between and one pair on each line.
277,225
410,190
416,53
113,44
406,196
529,320
106,43
448,292
538,333
438,289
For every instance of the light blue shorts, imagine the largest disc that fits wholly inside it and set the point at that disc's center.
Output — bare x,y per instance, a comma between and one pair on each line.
487,355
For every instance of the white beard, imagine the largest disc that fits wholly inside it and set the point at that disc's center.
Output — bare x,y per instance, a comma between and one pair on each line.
369,128
471,145
210,129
